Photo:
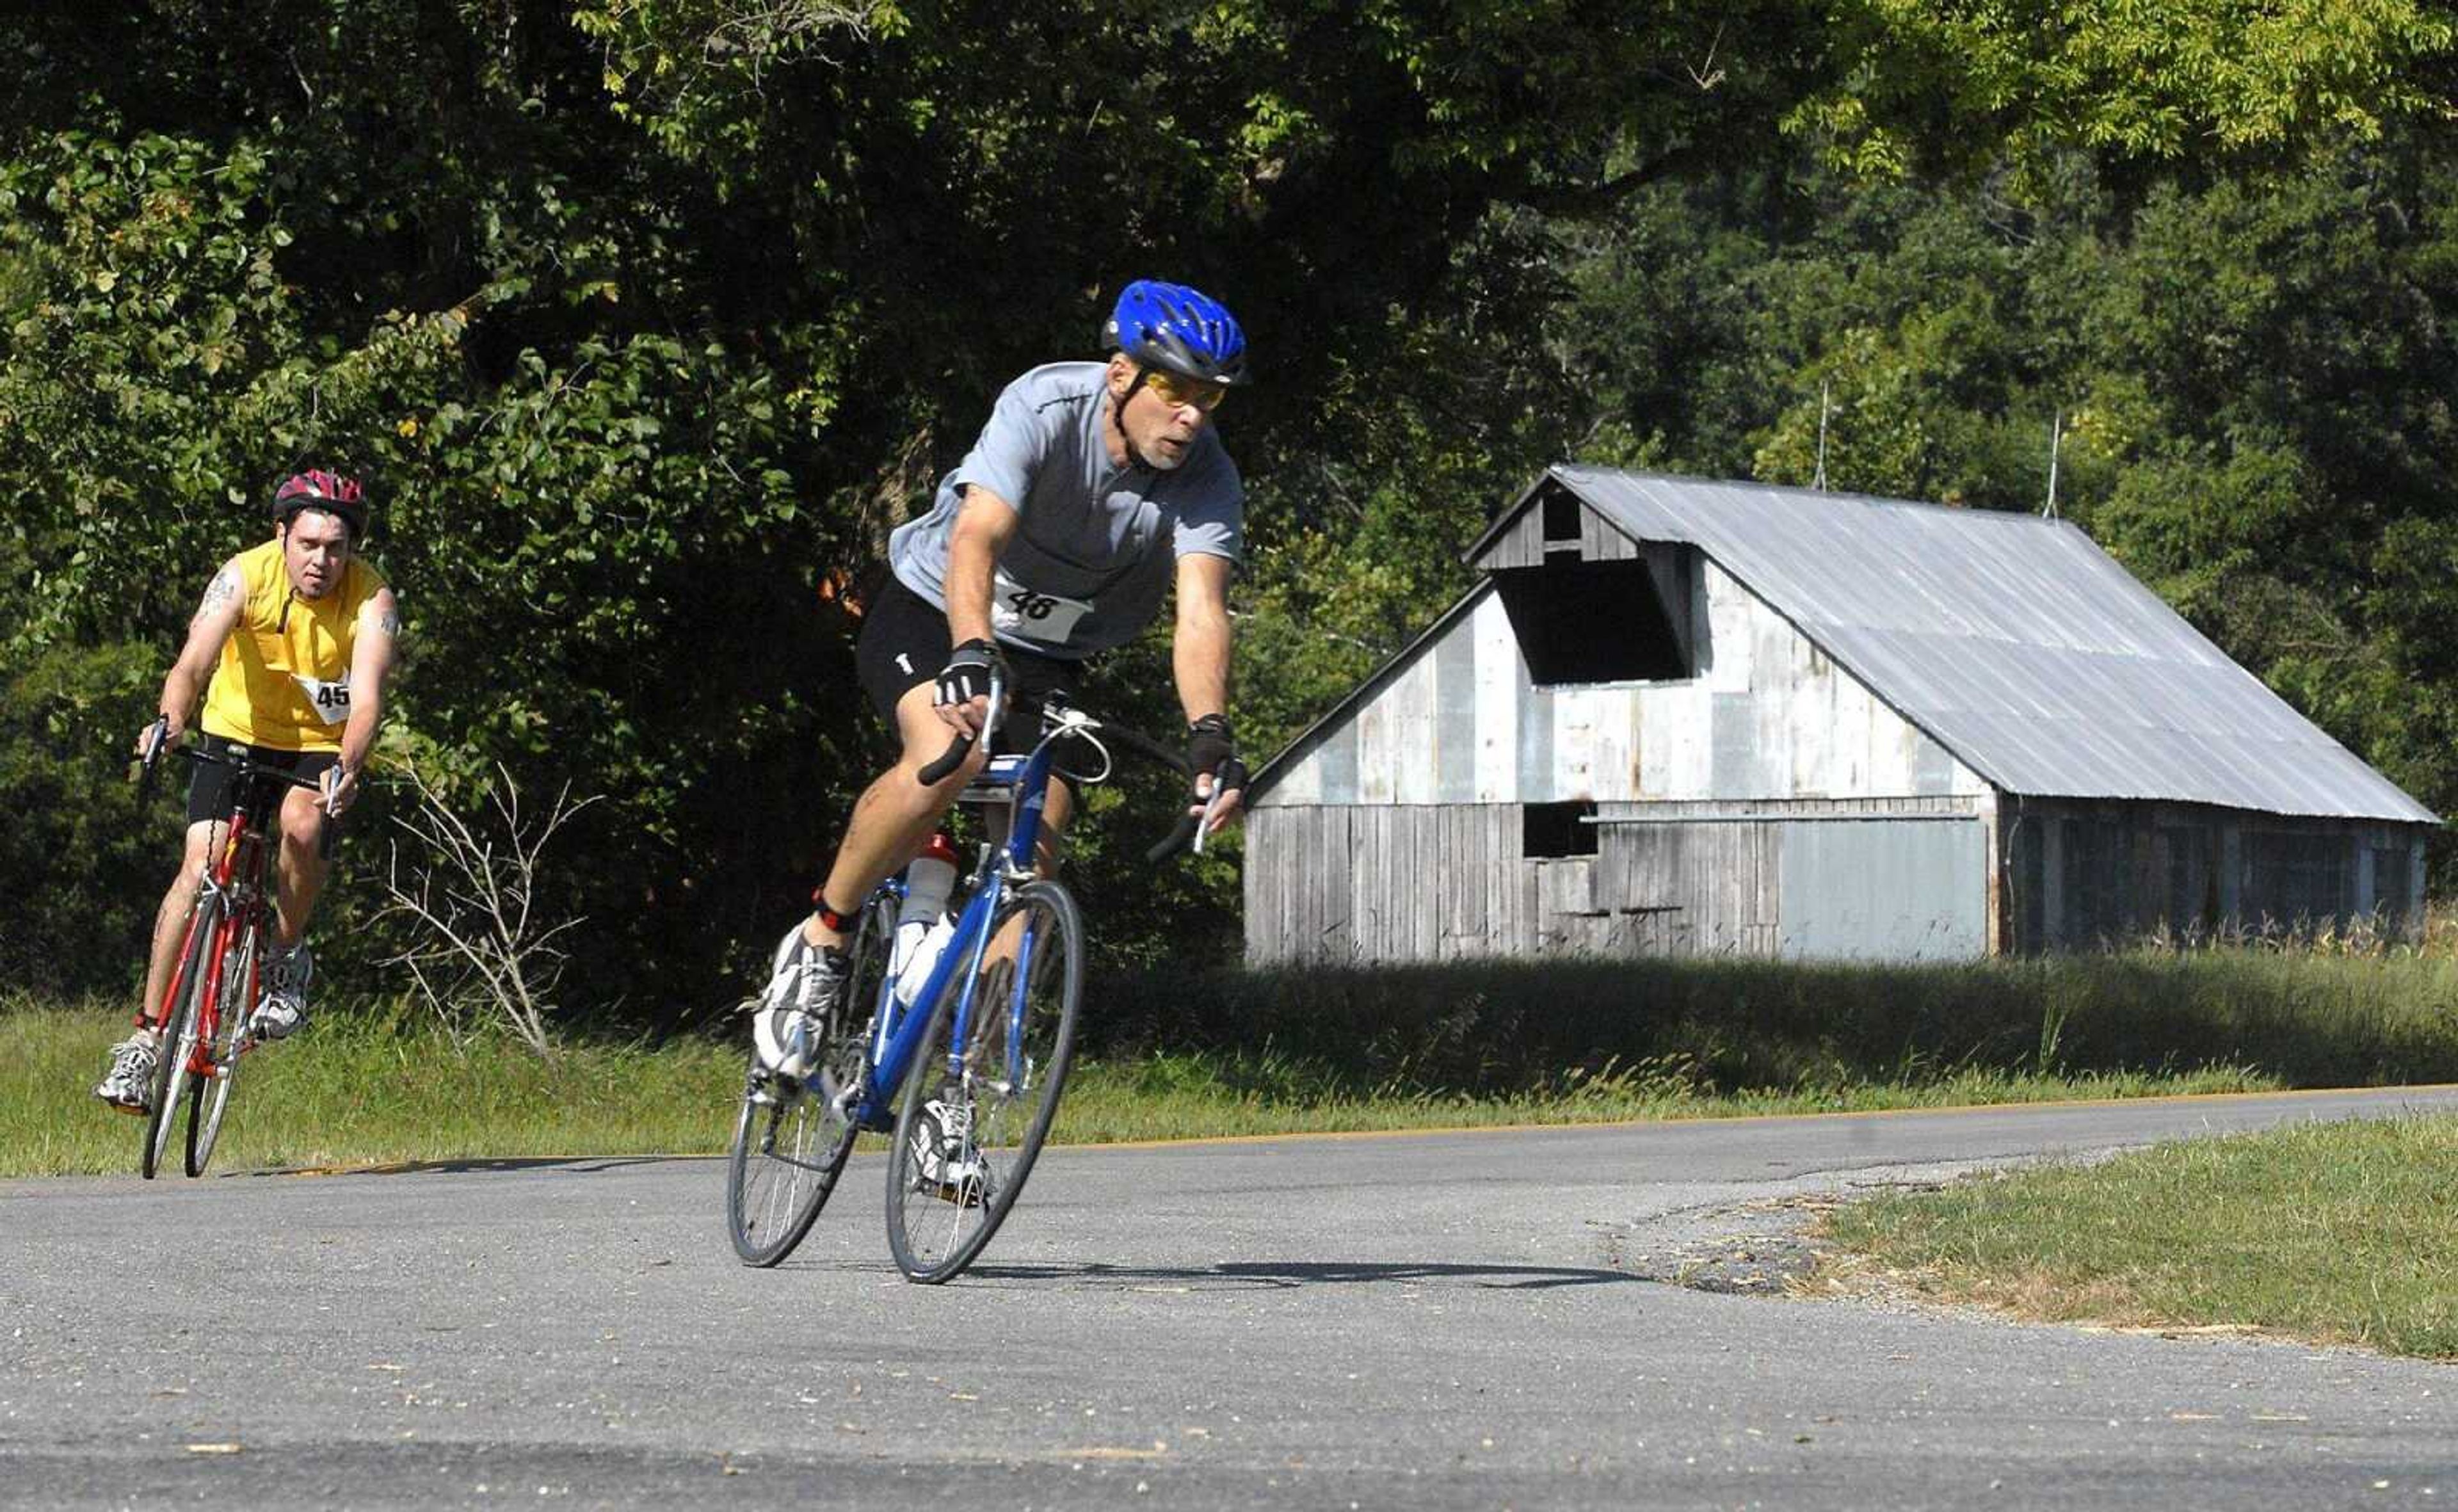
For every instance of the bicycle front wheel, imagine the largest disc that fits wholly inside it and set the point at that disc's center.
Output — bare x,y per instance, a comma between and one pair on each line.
241,964
179,1032
790,1140
985,1086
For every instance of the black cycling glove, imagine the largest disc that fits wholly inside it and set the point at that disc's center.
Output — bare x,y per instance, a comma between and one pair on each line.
966,677
1211,747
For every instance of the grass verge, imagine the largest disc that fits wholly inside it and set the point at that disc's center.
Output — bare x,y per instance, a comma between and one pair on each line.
353,1091
2335,1233
1215,1095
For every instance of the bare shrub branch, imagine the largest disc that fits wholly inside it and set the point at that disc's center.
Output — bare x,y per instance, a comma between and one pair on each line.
480,950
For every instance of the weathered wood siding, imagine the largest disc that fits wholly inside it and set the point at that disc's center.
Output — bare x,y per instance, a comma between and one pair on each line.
1385,882
1526,544
1900,878
1768,717
2085,875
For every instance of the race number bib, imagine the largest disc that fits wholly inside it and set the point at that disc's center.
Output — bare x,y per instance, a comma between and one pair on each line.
1019,611
331,701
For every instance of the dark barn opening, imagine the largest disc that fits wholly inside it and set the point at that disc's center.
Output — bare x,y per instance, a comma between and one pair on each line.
1554,830
1586,622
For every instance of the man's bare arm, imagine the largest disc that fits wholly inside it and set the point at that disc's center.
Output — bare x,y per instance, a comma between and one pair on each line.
1200,647
1199,659
984,526
217,615
371,656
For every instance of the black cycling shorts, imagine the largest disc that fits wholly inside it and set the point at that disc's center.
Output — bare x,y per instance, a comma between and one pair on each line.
904,643
209,784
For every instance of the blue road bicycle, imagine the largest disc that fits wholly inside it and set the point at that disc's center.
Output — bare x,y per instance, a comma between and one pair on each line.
966,1075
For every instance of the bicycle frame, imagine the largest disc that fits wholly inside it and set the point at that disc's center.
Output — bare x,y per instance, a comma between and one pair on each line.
235,875
896,1028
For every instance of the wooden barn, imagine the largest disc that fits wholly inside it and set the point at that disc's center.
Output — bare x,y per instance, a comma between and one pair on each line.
1683,717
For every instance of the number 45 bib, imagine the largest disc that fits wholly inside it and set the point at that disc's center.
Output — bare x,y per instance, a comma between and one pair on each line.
331,701
1028,612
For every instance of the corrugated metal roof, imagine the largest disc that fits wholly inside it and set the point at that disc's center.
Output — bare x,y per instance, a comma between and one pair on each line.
2013,640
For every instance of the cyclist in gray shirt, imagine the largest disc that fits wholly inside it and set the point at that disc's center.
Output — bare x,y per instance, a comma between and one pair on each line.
1094,491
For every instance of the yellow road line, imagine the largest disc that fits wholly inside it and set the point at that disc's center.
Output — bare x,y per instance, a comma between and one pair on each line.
1763,1118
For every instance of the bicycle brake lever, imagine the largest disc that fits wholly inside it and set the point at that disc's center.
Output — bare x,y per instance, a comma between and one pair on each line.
156,736
937,772
1211,807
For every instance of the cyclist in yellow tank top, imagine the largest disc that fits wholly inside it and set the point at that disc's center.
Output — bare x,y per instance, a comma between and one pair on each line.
296,636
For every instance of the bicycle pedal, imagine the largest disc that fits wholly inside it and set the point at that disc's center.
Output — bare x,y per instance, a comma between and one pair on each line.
972,1190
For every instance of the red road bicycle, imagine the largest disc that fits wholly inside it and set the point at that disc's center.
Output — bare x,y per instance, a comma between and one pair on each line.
212,991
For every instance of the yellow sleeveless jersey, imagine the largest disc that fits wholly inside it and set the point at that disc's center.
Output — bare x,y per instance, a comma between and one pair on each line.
284,679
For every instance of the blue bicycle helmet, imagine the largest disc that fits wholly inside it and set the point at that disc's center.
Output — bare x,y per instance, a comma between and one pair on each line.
1185,330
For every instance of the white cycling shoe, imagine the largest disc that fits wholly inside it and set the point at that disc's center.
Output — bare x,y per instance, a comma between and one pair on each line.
790,1025
129,1085
283,1008
945,1159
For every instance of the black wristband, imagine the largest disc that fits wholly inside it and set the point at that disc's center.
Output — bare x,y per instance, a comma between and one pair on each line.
1212,750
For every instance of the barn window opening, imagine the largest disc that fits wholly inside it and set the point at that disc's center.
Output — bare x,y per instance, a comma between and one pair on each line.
1588,622
1555,830
1562,512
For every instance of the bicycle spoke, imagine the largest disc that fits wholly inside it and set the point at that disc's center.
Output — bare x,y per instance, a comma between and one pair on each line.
179,1032
791,1143
238,997
974,1113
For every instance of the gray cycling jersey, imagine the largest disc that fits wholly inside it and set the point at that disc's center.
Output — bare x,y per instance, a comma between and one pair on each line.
1092,559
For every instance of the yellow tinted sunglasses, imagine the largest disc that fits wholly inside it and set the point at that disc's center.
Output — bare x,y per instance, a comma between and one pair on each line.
1177,388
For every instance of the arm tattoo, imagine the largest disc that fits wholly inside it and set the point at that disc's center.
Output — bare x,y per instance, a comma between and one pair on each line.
219,591
388,620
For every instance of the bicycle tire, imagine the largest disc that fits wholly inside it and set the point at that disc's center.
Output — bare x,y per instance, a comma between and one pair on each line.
240,976
938,1220
772,1199
171,1063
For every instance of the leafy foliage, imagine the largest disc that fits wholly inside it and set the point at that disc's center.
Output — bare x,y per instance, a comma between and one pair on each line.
648,318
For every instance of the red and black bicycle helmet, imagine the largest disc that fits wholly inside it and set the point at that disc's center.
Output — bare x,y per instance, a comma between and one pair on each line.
328,491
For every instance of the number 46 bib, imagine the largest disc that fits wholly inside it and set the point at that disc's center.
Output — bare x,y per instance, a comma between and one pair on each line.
1019,611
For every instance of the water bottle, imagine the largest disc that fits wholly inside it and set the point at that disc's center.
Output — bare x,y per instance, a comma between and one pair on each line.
923,927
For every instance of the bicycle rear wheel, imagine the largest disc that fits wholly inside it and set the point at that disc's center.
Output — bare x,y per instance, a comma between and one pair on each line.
791,1141
210,1096
985,1086
178,1043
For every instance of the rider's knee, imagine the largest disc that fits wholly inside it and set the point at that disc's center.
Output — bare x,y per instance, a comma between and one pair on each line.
302,828
183,884
192,854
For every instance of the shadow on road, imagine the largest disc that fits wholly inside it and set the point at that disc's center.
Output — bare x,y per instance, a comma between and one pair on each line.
581,1165
1288,1274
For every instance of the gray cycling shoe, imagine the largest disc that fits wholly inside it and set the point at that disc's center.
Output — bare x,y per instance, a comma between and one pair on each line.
129,1085
283,1008
790,1025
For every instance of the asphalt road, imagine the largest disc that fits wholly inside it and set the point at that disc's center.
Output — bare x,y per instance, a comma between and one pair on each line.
1444,1321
